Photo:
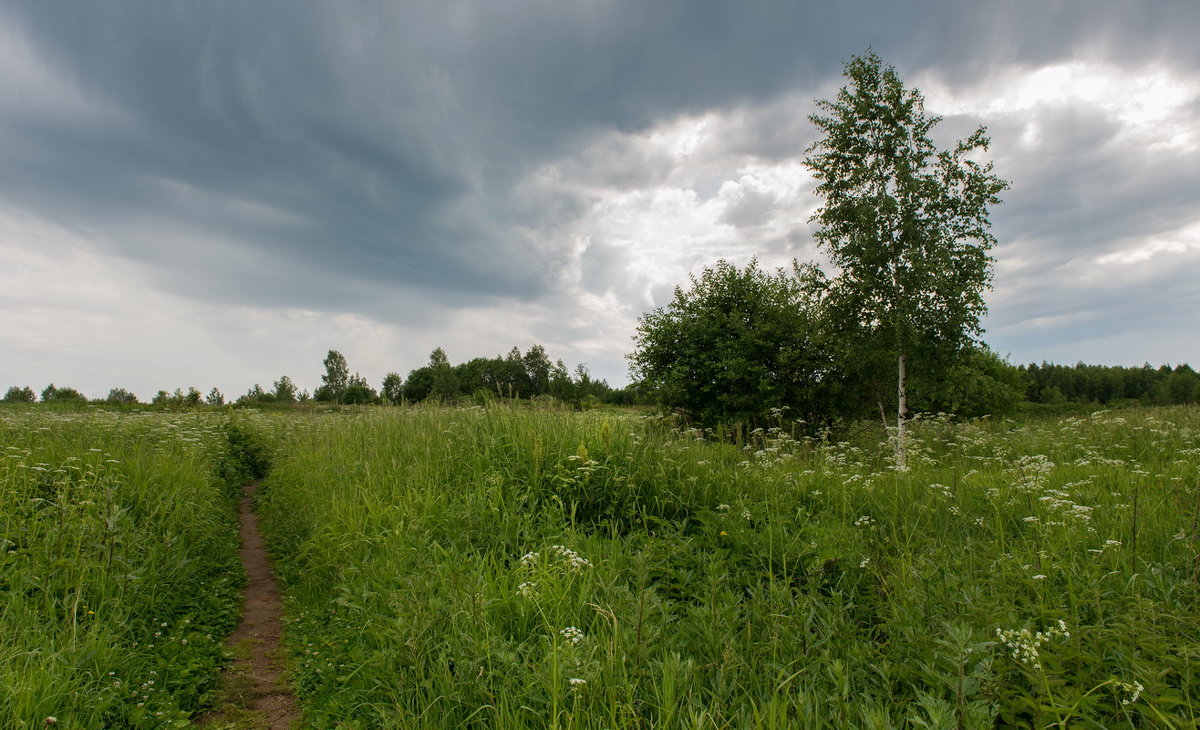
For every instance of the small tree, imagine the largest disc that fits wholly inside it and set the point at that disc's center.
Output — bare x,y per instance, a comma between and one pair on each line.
22,394
215,398
285,390
537,370
419,384
256,395
907,224
192,398
358,392
120,395
393,388
444,380
336,377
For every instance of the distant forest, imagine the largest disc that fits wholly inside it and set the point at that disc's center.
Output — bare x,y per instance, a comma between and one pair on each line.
1111,385
533,375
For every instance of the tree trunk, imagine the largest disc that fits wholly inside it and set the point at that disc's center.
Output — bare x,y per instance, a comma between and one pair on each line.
901,412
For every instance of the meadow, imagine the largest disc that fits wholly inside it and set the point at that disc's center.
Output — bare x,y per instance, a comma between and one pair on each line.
118,565
506,568
510,567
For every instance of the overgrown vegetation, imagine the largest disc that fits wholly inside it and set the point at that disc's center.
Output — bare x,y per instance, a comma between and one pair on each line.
118,564
508,568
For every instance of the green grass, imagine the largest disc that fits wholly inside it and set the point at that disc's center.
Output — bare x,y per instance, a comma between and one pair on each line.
792,583
118,565
460,567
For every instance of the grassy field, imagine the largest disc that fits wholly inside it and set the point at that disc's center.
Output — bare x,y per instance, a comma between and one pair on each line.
516,568
118,565
497,568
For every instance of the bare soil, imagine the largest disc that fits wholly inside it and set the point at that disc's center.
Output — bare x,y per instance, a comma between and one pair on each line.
252,693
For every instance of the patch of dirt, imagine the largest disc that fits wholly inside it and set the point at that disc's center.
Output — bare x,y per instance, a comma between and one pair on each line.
252,694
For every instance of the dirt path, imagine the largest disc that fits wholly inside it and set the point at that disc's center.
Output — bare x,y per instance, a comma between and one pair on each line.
252,694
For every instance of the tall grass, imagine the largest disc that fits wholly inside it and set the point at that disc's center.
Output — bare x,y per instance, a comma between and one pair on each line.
500,568
118,565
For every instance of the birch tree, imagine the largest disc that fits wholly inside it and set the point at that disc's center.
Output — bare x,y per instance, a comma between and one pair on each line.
906,224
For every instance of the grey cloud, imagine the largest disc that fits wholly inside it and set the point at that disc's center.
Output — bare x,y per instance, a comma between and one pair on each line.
376,157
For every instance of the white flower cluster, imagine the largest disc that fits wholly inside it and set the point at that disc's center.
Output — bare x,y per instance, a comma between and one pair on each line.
528,589
573,560
572,636
1026,645
1134,690
864,521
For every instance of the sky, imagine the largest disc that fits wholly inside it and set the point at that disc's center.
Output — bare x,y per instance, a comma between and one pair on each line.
216,194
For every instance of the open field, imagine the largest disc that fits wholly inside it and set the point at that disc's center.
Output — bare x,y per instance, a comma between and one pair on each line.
516,568
118,570
492,568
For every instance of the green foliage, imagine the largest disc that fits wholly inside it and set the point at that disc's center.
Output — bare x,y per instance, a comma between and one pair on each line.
215,398
514,376
336,378
1080,383
17,394
978,383
358,392
53,394
478,560
905,223
179,399
118,567
285,390
443,379
255,396
120,395
392,391
246,456
418,385
737,344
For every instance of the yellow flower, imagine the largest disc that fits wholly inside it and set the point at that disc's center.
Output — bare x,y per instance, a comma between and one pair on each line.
723,533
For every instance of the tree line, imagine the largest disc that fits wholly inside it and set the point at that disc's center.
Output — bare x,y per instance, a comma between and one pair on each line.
517,375
529,375
1110,385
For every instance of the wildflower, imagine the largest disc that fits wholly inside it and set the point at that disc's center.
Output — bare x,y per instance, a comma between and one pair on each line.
1134,689
52,720
864,521
865,562
527,589
1039,577
1026,645
723,533
529,559
722,508
577,683
572,635
573,560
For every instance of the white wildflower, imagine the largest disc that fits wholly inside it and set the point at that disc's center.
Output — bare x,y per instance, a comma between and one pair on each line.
1134,690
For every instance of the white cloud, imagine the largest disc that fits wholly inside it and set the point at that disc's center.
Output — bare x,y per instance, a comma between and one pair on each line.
1152,104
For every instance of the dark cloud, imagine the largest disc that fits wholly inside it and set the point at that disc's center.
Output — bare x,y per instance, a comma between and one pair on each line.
401,160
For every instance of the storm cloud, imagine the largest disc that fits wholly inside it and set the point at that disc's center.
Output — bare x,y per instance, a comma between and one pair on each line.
229,189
